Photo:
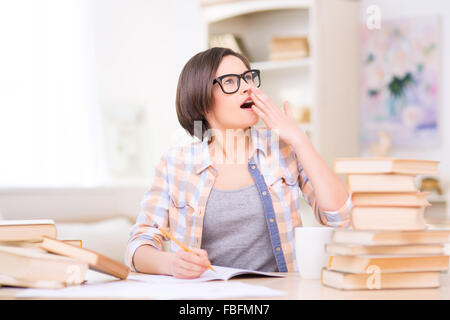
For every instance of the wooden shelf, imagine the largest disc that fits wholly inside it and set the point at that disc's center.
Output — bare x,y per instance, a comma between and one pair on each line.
256,23
280,65
226,9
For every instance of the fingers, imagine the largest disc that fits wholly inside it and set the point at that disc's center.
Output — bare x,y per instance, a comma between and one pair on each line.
199,257
201,253
260,113
273,114
259,108
190,265
265,100
288,110
185,272
261,104
260,95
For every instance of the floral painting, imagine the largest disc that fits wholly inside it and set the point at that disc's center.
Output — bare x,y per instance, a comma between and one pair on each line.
400,83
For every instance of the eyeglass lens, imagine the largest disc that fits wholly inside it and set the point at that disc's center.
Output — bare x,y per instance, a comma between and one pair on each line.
231,83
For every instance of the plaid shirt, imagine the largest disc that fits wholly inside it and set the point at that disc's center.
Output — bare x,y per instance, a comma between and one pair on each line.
184,178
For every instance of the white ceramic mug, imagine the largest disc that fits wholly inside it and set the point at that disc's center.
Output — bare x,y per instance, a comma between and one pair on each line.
310,250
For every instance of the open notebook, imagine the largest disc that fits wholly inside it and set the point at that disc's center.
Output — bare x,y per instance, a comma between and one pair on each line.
222,273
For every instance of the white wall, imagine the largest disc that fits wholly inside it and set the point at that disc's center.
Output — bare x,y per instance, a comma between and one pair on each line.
337,82
141,47
392,9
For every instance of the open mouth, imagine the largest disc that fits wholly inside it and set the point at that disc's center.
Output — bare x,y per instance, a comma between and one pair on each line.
247,104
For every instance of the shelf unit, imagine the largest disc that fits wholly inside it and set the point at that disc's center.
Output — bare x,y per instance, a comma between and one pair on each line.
281,65
255,23
327,81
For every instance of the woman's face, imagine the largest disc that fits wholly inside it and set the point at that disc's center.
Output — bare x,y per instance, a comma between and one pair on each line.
227,112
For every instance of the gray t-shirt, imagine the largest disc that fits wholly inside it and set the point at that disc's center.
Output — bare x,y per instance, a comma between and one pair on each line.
235,232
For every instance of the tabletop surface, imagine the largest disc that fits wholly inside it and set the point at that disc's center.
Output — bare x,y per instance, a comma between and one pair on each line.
296,288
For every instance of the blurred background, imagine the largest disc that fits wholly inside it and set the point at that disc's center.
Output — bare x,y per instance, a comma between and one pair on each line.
87,93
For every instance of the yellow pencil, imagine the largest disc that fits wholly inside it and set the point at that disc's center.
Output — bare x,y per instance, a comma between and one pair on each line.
168,235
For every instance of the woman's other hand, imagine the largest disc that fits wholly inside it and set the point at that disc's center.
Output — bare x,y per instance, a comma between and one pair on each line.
283,122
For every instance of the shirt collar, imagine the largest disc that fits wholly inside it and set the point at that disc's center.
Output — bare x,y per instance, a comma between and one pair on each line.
203,157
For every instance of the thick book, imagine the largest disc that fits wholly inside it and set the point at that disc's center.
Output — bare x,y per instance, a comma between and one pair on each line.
95,260
289,55
409,249
6,280
28,265
385,165
282,48
76,243
381,183
388,263
37,243
365,281
390,199
227,40
376,237
26,230
388,218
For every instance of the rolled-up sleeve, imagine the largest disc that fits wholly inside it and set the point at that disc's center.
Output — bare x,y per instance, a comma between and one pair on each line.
337,219
154,213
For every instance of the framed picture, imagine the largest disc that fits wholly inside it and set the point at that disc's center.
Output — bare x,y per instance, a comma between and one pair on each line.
400,83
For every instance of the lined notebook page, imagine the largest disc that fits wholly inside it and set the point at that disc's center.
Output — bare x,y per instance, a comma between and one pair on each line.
136,289
222,273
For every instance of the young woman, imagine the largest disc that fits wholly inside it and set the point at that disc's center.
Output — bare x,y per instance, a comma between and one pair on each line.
233,197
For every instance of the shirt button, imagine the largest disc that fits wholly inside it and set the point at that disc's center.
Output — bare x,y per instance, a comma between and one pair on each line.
264,193
277,248
253,167
271,220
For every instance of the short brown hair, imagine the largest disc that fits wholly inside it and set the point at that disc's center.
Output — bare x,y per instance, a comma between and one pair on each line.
195,87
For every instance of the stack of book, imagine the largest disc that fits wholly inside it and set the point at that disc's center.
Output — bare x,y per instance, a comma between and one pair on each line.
286,48
31,256
389,245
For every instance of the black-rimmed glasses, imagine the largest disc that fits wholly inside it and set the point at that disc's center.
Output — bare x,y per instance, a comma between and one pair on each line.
230,83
